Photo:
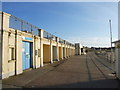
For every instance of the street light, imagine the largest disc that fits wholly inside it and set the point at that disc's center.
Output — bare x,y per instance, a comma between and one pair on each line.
111,38
111,46
110,32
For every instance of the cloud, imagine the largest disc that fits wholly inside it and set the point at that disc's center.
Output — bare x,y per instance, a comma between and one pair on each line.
92,41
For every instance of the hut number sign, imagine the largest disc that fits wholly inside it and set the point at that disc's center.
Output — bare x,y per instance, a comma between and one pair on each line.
26,38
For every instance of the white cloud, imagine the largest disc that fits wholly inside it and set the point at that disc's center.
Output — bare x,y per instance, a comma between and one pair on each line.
92,41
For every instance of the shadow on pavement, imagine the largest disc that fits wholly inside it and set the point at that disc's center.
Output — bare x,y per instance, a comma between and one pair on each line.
91,84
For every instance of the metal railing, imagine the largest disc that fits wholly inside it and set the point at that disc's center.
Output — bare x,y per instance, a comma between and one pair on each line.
68,43
19,24
49,36
61,41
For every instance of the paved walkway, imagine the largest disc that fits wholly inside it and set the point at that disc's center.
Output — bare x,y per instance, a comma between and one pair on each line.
76,72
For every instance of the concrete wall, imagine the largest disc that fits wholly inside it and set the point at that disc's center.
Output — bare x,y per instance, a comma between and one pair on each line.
18,54
0,46
12,45
11,51
5,48
43,50
37,52
79,49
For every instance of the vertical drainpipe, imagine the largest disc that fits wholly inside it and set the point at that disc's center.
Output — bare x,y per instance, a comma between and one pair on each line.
40,45
15,52
34,54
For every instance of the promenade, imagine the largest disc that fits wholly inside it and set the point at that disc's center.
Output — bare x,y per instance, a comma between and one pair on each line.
85,71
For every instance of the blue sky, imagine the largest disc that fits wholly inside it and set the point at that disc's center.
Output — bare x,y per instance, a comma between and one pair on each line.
83,22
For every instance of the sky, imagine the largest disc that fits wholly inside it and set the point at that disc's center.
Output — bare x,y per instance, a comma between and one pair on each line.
60,0
77,22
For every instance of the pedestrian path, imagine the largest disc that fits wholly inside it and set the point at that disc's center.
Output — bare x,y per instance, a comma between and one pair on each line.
77,72
0,84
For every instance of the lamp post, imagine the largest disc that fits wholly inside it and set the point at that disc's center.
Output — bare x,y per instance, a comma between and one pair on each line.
111,39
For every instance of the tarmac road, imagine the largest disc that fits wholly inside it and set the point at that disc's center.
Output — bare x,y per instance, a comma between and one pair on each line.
83,71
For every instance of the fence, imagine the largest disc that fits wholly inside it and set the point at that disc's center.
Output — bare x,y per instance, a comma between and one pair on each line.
49,36
61,41
19,24
107,55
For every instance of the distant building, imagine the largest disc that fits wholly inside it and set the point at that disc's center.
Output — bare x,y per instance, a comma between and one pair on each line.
79,49
108,49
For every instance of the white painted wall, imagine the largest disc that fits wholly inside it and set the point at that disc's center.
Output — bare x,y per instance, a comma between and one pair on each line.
9,41
78,47
0,54
118,49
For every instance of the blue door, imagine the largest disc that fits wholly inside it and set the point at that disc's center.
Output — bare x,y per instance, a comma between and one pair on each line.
26,55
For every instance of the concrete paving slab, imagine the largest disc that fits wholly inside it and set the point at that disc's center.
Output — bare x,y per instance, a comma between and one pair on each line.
27,76
0,84
76,72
